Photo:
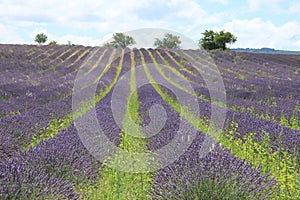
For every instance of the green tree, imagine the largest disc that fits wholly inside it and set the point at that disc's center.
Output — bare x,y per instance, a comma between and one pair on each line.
207,41
222,38
120,40
170,41
53,42
216,40
40,38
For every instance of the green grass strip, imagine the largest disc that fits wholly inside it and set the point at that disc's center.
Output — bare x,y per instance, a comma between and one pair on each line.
177,73
110,60
117,184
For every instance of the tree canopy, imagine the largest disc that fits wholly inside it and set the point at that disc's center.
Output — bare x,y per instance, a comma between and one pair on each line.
120,40
216,40
53,42
170,41
41,38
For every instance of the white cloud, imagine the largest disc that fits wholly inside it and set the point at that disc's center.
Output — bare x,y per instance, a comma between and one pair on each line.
277,6
257,33
87,41
145,38
9,35
105,17
294,8
86,22
219,1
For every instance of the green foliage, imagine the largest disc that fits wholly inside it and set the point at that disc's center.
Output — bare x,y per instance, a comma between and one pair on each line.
4,96
207,42
293,121
220,188
41,38
170,41
282,165
53,42
120,40
115,184
47,132
216,40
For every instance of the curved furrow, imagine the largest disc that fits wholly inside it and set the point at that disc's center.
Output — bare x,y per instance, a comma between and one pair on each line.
233,106
38,51
112,57
242,148
100,58
62,56
55,87
39,122
60,124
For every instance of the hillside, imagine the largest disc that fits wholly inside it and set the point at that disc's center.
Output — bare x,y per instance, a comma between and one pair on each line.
188,124
265,50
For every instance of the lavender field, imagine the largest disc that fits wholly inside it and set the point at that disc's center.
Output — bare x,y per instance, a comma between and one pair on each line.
42,156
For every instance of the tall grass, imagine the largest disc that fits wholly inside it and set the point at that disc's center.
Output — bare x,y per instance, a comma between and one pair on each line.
282,165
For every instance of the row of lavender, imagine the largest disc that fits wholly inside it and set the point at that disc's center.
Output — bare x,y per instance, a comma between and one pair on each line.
77,168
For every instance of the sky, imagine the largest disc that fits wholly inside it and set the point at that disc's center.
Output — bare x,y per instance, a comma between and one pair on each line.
256,23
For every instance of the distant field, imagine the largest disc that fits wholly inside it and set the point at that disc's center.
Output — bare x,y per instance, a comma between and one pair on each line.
42,156
266,50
